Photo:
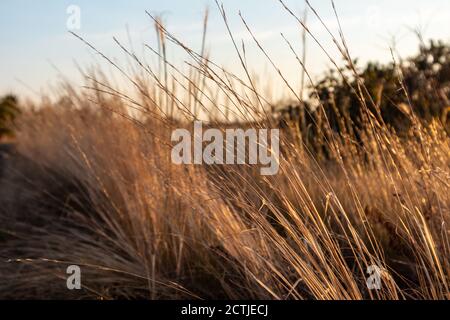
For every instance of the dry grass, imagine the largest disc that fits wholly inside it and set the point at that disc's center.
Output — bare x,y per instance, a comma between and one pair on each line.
91,184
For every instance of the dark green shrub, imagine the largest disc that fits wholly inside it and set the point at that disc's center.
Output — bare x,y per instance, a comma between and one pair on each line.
9,109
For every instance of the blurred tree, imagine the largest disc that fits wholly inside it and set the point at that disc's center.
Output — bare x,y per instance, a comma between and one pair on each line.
9,109
419,85
425,78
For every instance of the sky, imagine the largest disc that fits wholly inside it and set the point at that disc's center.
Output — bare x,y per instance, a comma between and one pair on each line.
36,49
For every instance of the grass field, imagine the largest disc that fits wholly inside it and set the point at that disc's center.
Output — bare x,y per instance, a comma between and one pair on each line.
88,181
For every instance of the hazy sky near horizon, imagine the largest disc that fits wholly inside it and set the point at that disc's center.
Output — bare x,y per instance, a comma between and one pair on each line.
35,46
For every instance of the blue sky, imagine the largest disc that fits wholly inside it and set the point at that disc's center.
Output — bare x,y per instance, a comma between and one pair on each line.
35,45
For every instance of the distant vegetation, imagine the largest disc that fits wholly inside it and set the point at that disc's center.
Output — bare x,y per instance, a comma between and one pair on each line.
418,87
9,109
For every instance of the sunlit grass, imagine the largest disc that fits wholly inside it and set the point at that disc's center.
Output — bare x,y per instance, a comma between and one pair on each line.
91,183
